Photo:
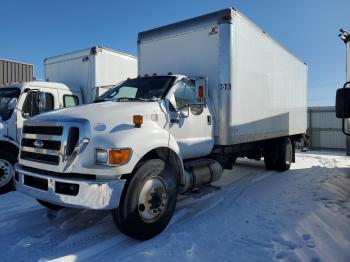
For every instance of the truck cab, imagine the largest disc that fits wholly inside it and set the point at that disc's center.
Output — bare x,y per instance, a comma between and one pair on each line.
19,102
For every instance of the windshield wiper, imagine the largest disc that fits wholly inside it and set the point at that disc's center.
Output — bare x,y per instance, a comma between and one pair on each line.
131,99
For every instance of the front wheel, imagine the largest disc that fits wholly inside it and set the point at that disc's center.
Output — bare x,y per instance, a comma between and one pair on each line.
148,202
7,171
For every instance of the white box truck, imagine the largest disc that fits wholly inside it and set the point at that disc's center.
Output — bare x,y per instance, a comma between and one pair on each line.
82,76
93,70
214,88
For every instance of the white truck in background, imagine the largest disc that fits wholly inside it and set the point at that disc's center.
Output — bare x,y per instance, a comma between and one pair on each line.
93,70
73,79
214,88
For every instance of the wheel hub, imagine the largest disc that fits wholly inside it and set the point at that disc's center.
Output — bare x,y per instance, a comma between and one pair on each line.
156,199
6,172
153,200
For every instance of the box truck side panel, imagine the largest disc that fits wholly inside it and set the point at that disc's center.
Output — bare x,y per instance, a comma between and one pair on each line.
74,71
192,52
268,96
112,68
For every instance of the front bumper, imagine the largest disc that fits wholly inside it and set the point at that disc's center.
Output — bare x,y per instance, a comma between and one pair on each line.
69,192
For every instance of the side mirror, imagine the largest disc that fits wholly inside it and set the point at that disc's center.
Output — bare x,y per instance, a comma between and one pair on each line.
342,102
11,104
41,102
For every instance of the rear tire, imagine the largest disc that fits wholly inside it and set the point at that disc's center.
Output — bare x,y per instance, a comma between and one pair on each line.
148,201
284,155
7,171
49,205
270,158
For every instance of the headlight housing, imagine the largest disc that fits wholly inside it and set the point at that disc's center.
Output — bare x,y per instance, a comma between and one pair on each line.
113,157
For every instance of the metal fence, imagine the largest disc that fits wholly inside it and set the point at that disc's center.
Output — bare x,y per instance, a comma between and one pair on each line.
13,72
324,129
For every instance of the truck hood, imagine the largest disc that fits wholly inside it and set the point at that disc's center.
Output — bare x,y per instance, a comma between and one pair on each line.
106,113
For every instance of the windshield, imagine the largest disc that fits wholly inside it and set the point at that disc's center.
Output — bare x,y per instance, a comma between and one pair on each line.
6,94
140,89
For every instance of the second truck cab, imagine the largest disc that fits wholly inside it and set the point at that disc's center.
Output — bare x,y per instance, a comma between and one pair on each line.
19,102
73,79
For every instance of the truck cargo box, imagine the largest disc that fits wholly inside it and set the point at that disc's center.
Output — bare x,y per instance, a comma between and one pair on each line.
257,87
93,70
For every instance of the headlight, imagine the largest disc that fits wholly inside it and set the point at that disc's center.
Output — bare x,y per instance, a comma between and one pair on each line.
114,157
102,156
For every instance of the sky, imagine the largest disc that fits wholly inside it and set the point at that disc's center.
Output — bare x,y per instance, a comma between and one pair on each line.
32,30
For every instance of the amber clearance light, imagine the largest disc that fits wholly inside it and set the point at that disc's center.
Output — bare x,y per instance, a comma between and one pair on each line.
138,120
119,156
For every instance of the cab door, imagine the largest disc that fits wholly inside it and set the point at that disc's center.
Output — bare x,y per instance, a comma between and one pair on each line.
29,105
190,120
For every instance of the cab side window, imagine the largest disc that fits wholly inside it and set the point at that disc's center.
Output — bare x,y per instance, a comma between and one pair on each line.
70,100
49,102
185,94
30,105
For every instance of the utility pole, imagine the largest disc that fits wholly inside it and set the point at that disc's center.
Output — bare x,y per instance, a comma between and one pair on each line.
345,37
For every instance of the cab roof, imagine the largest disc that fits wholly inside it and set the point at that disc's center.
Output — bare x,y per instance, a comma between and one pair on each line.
38,84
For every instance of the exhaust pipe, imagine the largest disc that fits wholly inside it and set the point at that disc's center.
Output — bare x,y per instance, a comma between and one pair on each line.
199,173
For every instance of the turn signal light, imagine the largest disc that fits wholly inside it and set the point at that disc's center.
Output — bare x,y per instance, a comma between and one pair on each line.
138,120
119,156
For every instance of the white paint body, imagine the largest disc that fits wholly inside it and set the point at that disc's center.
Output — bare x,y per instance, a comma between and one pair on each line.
93,70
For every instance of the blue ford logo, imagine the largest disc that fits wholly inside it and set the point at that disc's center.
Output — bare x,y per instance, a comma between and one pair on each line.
38,143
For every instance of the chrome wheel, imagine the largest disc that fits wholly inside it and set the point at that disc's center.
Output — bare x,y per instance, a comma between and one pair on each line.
153,199
6,172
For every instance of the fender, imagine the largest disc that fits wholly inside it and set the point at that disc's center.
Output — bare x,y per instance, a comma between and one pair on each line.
141,140
145,139
8,145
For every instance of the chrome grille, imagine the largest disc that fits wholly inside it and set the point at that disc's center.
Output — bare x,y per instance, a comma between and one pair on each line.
42,144
52,145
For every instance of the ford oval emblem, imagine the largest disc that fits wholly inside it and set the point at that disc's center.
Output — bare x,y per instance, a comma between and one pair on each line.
38,143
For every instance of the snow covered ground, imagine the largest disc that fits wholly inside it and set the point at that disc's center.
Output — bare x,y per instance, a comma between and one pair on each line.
252,215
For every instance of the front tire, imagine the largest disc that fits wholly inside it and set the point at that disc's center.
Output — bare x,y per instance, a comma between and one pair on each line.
7,171
148,202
